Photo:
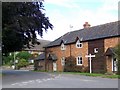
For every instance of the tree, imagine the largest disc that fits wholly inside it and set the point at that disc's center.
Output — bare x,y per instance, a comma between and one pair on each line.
23,55
20,22
117,53
22,58
22,63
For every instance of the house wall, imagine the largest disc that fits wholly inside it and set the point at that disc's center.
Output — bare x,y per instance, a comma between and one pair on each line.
39,65
98,62
110,42
71,50
80,52
59,53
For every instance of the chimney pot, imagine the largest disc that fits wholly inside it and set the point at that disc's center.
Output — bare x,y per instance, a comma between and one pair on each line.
86,25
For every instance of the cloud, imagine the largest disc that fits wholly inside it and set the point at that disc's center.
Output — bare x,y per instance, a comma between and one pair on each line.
62,3
105,13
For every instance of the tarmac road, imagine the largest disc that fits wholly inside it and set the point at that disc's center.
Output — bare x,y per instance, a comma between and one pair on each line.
29,79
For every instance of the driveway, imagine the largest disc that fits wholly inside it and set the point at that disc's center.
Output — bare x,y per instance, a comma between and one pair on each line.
29,79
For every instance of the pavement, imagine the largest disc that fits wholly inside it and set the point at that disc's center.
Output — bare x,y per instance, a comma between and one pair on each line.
29,79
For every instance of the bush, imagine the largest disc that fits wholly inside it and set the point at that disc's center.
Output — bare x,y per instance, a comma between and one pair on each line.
70,65
24,55
22,63
117,53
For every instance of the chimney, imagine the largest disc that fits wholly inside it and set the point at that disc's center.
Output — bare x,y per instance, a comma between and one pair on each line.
86,25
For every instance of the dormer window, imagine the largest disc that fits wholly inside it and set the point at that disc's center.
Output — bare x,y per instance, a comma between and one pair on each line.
95,50
79,44
63,46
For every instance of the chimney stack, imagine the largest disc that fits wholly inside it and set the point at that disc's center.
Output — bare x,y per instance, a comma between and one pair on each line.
86,25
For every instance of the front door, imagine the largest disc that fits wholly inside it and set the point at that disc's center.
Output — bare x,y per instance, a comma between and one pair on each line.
54,66
114,64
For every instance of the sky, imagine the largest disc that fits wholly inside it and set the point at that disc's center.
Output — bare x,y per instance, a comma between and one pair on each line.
70,15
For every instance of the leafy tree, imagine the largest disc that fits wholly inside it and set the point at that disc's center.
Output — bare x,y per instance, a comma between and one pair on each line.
23,55
20,23
8,60
117,52
22,63
22,58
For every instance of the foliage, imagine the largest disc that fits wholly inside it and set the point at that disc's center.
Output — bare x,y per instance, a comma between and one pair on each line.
22,63
7,60
117,53
20,23
23,55
70,65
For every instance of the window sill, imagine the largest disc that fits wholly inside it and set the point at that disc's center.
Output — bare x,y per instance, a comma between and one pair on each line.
79,64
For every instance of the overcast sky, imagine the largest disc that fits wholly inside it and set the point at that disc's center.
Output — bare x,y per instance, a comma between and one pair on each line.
66,13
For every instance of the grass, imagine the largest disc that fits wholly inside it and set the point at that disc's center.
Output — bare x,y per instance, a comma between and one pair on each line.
94,74
86,74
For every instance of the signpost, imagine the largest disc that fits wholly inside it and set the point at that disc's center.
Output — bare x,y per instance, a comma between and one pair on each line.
90,58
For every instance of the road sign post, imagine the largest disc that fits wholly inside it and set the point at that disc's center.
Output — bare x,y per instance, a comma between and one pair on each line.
90,58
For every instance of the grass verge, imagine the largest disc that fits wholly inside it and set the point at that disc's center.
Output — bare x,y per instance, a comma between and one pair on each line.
94,74
86,74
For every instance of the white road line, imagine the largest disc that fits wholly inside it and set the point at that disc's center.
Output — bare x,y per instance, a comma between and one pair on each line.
49,79
87,80
14,83
44,79
34,81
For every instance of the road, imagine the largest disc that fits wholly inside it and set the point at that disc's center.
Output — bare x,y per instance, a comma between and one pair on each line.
29,79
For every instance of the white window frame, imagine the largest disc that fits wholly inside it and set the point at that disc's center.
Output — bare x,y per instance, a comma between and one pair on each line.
95,50
79,59
63,46
79,44
63,61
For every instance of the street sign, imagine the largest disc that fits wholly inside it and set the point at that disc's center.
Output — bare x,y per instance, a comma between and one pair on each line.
90,58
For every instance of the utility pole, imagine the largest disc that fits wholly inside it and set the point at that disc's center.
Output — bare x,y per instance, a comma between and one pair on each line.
14,61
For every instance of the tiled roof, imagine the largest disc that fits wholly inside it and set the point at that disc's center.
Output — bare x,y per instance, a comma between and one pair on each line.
38,47
97,32
40,57
110,51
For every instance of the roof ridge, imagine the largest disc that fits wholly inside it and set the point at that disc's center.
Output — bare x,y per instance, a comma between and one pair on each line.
106,30
92,27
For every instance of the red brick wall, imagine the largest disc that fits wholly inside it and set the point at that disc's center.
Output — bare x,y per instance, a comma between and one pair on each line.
66,53
110,42
98,62
102,44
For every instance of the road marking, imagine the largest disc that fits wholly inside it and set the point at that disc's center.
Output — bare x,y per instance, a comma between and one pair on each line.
21,70
37,80
49,79
14,83
86,80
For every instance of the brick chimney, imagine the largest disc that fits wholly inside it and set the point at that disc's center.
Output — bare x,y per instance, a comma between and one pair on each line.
86,25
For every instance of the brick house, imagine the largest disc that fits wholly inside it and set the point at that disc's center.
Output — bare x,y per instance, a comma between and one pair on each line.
98,40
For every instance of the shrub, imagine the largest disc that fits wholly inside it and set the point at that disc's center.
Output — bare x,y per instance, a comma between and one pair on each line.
22,63
70,65
117,53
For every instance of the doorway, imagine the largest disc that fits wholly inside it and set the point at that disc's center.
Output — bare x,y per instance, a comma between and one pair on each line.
114,65
54,66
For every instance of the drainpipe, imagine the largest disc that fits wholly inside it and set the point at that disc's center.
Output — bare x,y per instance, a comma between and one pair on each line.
45,59
70,50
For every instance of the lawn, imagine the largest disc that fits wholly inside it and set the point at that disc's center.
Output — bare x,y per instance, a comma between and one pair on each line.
86,74
94,74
